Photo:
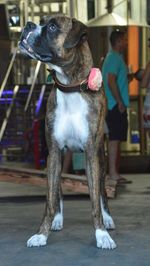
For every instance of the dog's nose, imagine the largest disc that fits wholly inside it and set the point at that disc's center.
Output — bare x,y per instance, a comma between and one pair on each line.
30,25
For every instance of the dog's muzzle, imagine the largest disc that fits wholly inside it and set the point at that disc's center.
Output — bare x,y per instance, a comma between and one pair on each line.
30,43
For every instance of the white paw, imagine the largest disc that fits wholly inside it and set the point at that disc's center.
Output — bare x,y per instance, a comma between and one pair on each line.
104,240
108,221
37,240
57,223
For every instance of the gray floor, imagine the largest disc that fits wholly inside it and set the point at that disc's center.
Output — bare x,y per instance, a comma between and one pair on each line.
21,209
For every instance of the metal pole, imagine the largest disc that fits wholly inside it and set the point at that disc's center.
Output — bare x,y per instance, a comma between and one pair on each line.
8,72
8,112
33,84
72,8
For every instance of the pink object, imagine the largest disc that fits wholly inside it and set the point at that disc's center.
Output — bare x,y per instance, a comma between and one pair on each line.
95,79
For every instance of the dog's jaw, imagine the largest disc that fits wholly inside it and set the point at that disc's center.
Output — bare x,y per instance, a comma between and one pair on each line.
27,50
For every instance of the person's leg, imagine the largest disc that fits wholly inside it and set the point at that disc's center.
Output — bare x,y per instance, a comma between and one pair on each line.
117,125
114,162
118,159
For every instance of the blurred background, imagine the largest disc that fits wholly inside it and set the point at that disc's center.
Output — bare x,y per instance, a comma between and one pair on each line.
25,84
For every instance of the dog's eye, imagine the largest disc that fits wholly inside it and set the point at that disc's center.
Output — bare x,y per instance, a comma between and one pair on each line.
52,27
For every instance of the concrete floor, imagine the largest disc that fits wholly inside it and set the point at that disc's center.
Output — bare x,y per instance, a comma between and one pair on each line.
21,209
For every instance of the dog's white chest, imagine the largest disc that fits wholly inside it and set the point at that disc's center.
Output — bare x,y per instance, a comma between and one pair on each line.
71,125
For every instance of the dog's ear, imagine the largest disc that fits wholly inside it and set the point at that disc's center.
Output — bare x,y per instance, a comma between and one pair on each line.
77,35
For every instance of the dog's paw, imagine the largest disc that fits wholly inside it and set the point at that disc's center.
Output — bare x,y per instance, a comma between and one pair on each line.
57,223
37,240
108,221
104,240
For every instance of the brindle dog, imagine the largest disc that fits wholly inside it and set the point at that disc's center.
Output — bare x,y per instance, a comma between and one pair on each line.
74,119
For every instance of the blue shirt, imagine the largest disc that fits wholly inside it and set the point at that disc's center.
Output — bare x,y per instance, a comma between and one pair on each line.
114,64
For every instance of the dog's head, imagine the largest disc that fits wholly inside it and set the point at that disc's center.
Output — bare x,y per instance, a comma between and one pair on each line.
53,39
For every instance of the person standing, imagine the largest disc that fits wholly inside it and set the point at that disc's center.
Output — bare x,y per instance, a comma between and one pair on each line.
115,79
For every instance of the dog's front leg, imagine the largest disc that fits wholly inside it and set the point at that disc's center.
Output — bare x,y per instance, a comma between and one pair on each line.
103,238
53,173
57,223
107,219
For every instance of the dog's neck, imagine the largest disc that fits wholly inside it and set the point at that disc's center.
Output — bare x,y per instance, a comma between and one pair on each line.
71,74
59,74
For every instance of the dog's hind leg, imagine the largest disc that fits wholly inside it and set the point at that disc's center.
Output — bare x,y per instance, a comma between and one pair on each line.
107,219
57,223
53,173
103,238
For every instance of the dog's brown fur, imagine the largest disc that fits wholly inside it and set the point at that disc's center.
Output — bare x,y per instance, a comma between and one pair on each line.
74,58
